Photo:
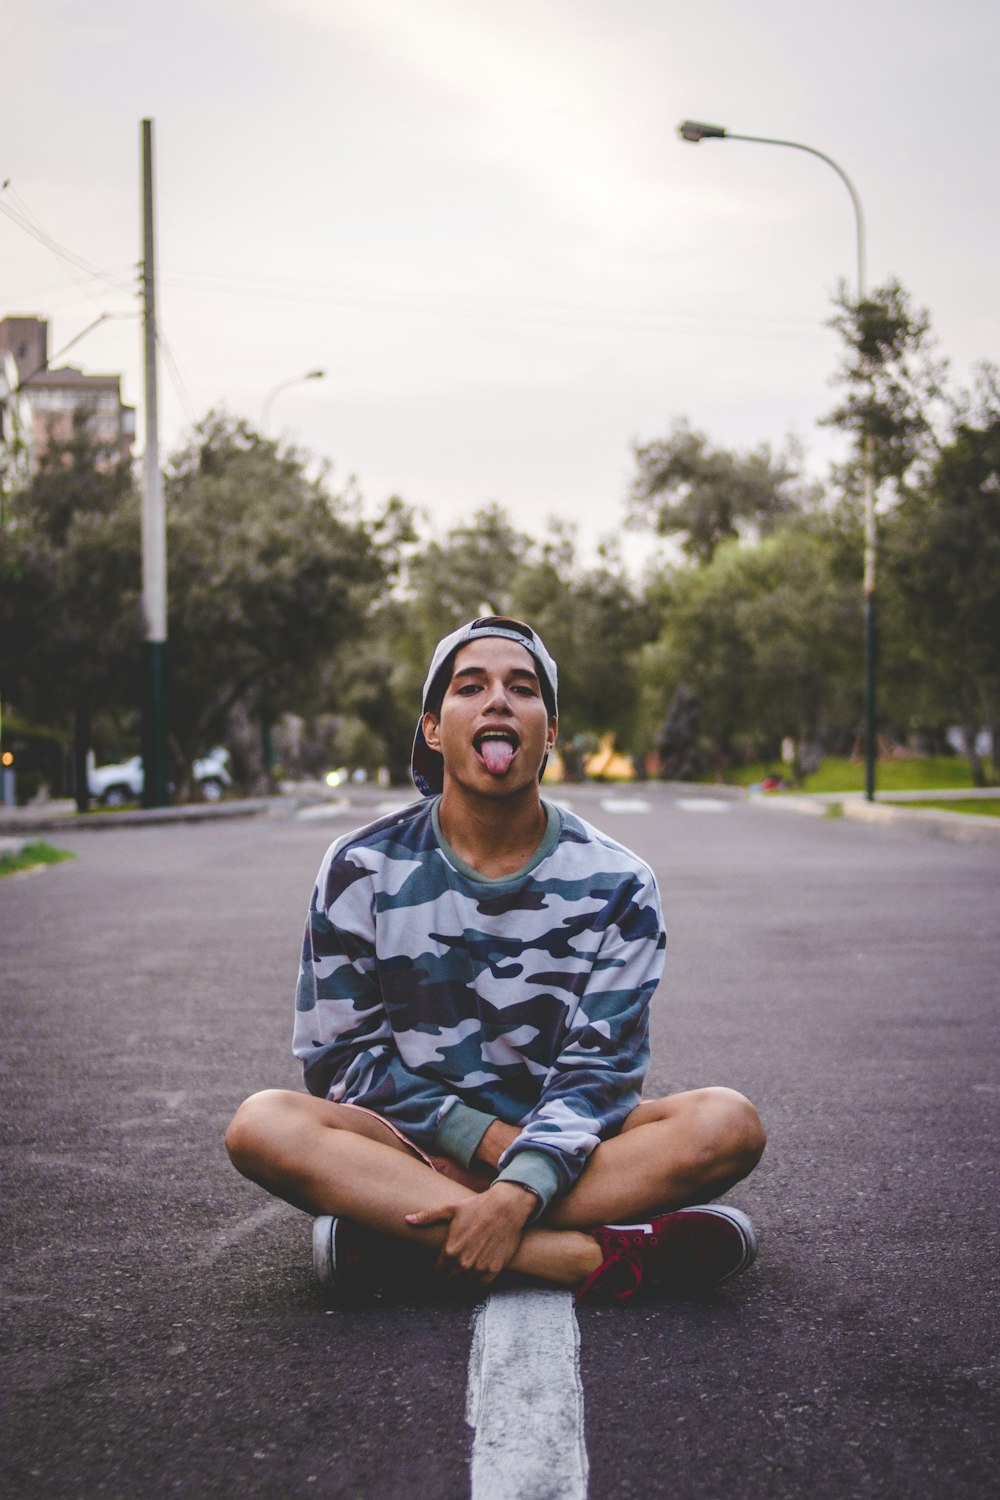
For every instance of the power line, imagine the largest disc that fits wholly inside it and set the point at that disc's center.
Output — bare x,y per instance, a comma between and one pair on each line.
437,299
20,214
564,316
177,379
18,211
50,293
601,317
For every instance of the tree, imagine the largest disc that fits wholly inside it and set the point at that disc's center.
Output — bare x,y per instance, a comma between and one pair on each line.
893,382
762,636
271,579
935,461
706,495
591,619
594,621
943,553
436,588
471,572
69,591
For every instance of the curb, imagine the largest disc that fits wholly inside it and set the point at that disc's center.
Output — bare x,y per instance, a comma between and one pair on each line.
811,806
963,828
142,817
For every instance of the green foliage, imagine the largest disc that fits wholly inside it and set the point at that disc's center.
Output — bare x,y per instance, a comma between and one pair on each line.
765,635
442,584
380,684
766,631
31,856
684,486
69,584
470,572
594,621
286,598
893,382
942,554
271,580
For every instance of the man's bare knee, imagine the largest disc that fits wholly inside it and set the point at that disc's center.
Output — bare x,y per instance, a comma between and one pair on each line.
731,1125
257,1124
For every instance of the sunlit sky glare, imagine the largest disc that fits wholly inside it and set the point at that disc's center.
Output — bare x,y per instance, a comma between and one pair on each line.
478,219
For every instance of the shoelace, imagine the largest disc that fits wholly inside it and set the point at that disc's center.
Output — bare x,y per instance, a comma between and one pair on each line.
620,1274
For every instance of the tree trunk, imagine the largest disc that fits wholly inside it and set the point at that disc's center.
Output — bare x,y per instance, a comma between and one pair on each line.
267,756
992,722
81,746
969,732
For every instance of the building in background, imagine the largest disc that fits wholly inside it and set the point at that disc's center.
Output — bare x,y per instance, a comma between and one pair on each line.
15,427
40,409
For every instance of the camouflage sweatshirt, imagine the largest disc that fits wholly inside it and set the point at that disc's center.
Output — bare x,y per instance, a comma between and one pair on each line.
445,1000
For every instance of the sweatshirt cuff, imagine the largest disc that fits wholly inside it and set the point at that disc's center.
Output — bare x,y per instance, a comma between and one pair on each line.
460,1132
536,1171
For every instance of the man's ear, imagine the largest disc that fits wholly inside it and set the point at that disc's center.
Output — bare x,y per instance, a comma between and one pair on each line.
553,735
432,730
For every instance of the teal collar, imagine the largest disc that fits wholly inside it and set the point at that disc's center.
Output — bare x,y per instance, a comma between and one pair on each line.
549,840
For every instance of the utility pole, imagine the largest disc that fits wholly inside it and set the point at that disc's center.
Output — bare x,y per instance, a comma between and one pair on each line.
156,786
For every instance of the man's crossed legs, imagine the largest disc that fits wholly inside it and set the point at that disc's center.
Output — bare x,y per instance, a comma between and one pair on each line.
681,1150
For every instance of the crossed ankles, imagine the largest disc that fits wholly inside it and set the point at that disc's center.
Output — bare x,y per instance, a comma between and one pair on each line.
689,1250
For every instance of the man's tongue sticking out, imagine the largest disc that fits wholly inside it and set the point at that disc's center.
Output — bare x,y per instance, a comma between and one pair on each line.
498,755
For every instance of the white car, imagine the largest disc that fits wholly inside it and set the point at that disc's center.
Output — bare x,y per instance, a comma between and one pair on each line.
118,784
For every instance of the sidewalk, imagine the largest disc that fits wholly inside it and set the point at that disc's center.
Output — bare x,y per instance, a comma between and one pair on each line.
62,815
891,808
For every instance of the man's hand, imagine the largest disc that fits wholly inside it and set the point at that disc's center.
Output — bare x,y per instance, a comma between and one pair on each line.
484,1231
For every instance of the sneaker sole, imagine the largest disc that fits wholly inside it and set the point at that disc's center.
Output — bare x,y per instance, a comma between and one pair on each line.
324,1259
741,1223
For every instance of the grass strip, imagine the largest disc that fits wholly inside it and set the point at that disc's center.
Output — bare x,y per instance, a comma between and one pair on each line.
980,806
931,773
32,855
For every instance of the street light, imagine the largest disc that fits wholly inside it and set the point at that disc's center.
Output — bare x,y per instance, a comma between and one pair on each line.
695,131
265,410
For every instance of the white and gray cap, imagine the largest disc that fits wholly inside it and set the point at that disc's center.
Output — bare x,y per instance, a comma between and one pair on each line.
426,765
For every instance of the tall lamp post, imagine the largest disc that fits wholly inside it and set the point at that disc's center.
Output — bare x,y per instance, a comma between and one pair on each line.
695,131
283,385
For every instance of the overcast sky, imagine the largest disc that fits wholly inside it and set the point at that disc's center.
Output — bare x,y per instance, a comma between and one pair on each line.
478,218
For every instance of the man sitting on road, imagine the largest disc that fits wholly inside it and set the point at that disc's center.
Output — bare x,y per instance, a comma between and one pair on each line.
472,1016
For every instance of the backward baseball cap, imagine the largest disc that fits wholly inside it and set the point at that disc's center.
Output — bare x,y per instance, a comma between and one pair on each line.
427,765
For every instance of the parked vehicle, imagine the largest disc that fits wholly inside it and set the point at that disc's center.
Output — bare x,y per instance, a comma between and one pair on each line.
211,773
114,785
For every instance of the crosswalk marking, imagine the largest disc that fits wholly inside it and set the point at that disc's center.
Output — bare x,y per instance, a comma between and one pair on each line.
625,804
525,1399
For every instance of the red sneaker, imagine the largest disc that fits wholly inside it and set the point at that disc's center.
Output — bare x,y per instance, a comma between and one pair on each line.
689,1250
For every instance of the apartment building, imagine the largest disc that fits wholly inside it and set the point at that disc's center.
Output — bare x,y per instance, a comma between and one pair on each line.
51,398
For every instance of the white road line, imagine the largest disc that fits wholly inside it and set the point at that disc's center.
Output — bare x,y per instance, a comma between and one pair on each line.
231,1234
525,1399
625,804
703,804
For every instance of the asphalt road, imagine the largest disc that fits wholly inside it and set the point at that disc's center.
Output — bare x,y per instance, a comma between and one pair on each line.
161,1332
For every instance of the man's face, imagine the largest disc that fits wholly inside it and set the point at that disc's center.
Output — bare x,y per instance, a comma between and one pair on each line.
494,728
